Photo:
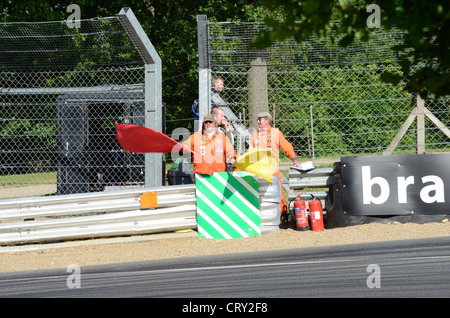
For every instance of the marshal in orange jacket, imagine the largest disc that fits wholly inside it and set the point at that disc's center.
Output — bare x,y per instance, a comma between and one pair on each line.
210,154
273,139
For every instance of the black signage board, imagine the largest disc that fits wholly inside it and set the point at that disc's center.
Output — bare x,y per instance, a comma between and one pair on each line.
396,184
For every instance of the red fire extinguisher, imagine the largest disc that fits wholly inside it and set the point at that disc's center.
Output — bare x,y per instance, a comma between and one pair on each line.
300,215
316,215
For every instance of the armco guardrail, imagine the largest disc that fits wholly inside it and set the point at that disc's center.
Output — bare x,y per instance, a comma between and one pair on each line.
317,183
112,213
98,214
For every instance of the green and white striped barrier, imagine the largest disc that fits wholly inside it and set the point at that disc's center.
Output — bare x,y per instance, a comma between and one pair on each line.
228,205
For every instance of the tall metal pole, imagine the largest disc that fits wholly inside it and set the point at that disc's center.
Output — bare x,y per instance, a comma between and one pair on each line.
204,72
153,91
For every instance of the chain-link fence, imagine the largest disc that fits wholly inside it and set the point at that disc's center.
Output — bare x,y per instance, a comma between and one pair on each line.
61,90
327,100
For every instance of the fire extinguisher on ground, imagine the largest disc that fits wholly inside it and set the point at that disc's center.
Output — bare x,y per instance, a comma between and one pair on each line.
316,214
301,216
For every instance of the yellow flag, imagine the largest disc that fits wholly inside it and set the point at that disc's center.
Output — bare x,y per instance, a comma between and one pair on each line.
261,162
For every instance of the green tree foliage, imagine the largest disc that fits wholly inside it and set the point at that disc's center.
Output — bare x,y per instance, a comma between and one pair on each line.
171,27
424,55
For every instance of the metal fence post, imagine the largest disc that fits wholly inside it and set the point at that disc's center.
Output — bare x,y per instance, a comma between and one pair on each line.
312,131
204,72
153,90
420,104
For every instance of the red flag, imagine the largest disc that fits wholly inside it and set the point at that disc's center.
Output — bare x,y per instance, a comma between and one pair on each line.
140,139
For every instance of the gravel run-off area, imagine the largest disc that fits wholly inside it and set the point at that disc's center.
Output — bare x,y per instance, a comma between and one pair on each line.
187,244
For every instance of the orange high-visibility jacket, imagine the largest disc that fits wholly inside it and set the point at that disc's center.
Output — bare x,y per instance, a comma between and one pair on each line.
272,139
210,154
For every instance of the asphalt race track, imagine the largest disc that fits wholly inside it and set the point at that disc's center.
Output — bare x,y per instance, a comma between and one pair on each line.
409,268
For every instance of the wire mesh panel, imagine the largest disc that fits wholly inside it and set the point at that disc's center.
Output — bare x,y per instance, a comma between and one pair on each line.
326,99
61,90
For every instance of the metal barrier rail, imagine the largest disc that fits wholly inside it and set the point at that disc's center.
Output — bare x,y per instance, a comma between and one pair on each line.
321,179
113,213
100,214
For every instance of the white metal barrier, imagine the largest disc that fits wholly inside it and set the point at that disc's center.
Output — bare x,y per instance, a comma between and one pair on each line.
100,214
113,213
315,183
